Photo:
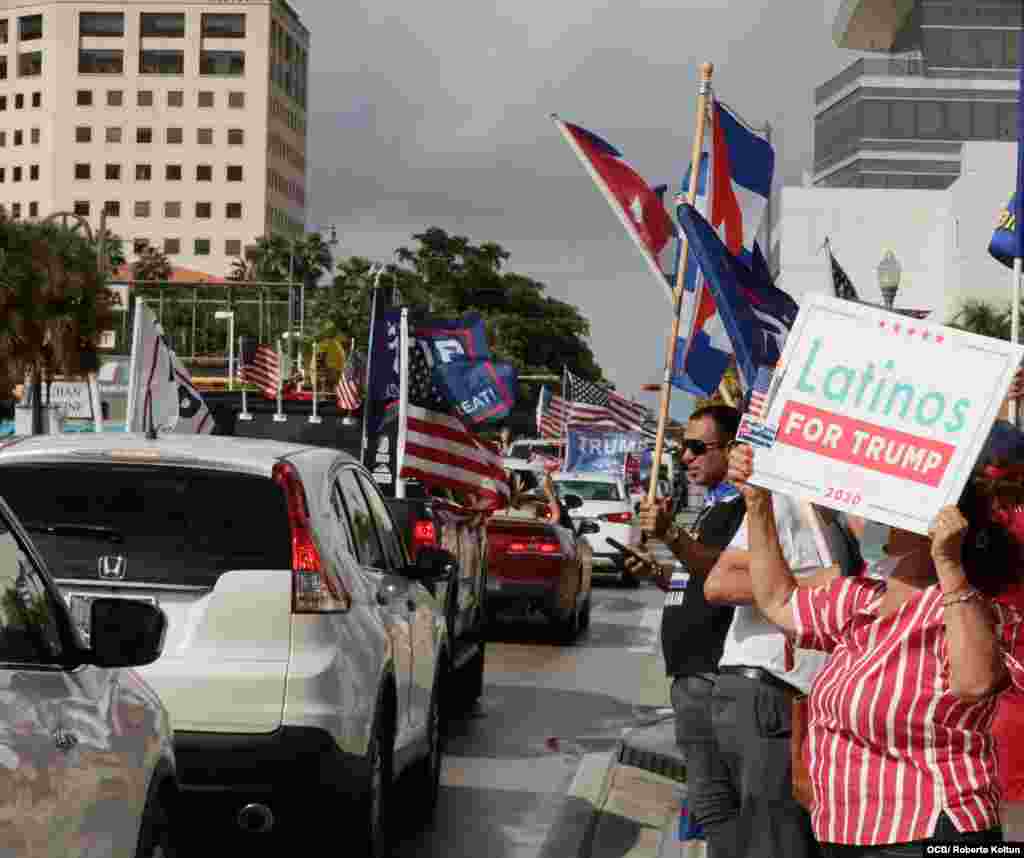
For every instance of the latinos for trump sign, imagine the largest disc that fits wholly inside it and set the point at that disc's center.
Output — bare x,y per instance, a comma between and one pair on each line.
601,450
880,415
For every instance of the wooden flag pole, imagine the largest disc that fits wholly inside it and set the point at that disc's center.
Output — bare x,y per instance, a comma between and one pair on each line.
703,93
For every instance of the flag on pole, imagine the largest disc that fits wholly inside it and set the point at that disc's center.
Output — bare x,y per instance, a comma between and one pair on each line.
552,413
594,406
637,205
262,369
161,395
841,283
349,390
439,450
758,407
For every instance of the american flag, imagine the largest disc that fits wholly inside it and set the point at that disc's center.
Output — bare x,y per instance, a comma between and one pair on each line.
594,406
264,370
349,390
841,282
552,413
758,407
440,451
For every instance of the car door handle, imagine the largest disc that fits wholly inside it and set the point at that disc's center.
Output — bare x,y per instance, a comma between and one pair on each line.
64,740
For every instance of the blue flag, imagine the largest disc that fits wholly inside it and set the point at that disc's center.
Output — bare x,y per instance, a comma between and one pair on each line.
463,337
590,450
479,390
1018,209
382,387
757,331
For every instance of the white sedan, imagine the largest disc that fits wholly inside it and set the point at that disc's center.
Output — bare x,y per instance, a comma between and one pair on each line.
606,501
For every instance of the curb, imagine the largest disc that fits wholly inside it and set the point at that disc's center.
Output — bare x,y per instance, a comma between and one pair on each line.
573,832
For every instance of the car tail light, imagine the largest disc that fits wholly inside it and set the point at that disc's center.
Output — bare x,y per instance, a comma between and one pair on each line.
527,545
617,517
424,535
315,590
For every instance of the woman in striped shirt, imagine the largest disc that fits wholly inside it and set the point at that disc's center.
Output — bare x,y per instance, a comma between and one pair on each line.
900,718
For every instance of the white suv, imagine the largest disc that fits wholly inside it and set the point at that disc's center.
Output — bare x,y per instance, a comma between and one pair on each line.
304,655
86,760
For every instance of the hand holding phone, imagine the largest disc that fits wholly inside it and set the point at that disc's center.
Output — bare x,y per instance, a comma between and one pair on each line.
626,549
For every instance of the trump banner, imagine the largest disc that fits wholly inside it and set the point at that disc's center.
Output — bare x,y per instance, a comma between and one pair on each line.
601,450
879,415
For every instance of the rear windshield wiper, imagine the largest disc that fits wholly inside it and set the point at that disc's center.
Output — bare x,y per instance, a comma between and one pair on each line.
93,531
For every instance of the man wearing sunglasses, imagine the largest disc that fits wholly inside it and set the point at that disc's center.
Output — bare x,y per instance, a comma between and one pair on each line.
692,630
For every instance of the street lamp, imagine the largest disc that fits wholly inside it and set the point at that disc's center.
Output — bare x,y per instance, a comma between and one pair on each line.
889,272
230,316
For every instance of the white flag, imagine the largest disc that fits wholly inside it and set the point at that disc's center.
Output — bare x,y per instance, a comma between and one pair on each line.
160,389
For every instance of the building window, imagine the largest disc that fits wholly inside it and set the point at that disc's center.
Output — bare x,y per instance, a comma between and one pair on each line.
3,138
175,98
175,135
19,101
139,245
204,211
143,135
83,171
113,134
236,99
142,208
206,99
145,98
31,64
233,247
204,136
235,173
37,99
34,136
81,208
115,97
101,23
143,172
233,211
2,172
173,173
33,173
204,173
19,137
222,63
221,26
172,246
83,98
165,25
100,61
3,102
33,209
16,210
113,172
3,31
162,62
172,210
202,247
236,137
30,27
112,208
3,68
16,174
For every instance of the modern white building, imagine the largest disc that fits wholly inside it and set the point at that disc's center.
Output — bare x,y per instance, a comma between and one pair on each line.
184,122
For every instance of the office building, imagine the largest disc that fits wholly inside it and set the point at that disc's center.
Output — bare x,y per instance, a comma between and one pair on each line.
184,122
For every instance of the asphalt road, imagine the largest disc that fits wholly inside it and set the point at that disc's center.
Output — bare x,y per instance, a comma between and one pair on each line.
509,764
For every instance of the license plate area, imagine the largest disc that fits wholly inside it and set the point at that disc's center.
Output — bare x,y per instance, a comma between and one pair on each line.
79,607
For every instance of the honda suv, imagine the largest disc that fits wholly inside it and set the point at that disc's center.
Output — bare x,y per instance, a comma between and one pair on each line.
304,654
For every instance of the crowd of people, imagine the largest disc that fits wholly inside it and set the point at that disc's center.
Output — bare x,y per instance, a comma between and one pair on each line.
831,707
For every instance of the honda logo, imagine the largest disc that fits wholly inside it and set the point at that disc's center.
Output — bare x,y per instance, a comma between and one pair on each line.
112,567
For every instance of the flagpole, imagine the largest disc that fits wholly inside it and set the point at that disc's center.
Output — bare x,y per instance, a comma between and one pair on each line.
706,71
565,417
1015,329
403,401
245,415
610,197
133,366
280,417
369,367
313,418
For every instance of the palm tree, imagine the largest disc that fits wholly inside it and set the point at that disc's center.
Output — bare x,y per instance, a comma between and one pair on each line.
282,259
980,317
53,305
151,263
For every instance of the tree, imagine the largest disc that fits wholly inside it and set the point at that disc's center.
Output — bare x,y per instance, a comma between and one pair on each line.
113,246
281,259
53,305
980,317
151,263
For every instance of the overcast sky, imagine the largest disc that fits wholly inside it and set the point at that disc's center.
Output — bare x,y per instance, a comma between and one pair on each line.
437,114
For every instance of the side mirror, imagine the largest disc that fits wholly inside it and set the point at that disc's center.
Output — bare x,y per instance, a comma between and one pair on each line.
125,632
572,501
589,526
433,564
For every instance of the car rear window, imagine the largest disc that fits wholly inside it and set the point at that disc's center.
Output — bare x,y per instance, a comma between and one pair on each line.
178,525
589,490
524,451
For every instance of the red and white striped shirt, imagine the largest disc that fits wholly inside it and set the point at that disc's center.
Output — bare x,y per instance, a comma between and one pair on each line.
890,746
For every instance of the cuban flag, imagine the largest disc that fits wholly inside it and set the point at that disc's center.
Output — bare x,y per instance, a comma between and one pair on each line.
638,206
733,187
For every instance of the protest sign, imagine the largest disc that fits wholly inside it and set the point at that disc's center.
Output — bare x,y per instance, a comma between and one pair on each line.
880,415
601,450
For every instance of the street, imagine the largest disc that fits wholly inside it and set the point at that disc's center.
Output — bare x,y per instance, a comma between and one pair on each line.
510,763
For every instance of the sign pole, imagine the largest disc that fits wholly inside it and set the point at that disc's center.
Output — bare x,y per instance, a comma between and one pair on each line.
706,71
369,365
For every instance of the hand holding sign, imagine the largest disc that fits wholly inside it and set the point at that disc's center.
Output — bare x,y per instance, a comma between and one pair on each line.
741,469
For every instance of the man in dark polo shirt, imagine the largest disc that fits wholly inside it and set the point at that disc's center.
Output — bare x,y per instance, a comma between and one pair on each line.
692,630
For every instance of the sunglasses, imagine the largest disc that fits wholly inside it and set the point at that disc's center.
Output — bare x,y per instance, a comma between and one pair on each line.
697,447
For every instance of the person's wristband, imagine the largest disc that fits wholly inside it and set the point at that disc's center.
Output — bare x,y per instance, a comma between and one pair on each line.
959,597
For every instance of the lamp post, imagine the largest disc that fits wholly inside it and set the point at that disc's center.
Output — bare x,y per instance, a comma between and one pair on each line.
230,316
889,272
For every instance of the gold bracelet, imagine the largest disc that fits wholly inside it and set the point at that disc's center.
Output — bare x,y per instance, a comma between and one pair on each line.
958,597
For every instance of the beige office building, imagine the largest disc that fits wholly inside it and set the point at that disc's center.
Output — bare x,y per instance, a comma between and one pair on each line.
184,122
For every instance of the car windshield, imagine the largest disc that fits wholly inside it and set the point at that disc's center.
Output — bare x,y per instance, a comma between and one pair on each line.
170,525
522,450
589,490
